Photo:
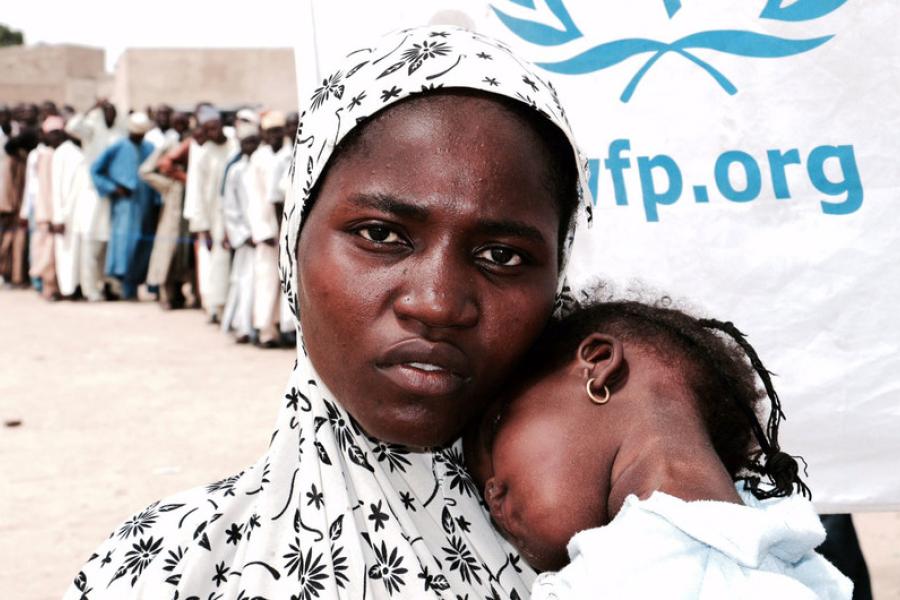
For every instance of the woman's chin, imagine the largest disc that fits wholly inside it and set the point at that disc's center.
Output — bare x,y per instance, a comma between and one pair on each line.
415,427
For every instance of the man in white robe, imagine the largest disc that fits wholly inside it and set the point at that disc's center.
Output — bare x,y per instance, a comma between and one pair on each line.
6,132
70,186
203,210
43,255
97,129
264,227
280,183
29,196
238,315
164,133
6,222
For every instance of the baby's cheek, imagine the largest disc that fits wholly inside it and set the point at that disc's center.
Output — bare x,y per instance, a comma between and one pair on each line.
552,516
563,507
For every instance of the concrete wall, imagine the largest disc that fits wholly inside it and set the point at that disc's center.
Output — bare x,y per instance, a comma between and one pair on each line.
69,74
66,74
224,76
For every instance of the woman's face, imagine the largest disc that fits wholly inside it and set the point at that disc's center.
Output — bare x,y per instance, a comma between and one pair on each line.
428,265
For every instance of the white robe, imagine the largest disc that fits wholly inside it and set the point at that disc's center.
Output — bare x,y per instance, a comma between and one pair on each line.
280,181
160,138
264,165
664,547
4,158
203,209
94,212
238,315
70,188
29,196
31,185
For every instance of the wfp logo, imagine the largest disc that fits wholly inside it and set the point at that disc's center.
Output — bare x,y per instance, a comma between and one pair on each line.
745,43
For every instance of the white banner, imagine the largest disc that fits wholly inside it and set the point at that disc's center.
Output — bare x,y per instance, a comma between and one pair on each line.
744,158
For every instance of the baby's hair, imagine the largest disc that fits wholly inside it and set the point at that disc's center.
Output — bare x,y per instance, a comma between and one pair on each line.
722,370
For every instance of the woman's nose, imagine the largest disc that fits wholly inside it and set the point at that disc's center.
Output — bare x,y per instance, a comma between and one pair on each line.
438,293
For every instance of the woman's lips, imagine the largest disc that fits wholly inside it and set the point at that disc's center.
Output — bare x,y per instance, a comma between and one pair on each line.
422,382
425,368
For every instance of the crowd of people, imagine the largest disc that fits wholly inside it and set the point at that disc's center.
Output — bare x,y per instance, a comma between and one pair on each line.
188,203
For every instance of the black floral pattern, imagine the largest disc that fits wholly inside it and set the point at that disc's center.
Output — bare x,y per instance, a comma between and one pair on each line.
234,534
461,559
342,426
436,582
331,86
377,516
419,53
140,522
294,396
408,501
388,568
356,100
252,523
81,585
339,565
393,454
139,558
390,94
455,469
225,485
315,497
173,558
311,572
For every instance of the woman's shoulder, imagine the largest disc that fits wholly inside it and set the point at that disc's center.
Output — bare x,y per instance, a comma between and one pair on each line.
153,540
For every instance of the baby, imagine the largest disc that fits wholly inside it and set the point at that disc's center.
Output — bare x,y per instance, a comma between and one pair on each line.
624,415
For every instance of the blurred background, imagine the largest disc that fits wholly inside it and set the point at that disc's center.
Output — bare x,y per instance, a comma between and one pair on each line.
179,53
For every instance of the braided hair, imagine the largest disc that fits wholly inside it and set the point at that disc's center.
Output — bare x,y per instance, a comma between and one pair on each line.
722,369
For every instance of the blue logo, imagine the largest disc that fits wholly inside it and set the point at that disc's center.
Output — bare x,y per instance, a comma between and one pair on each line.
728,41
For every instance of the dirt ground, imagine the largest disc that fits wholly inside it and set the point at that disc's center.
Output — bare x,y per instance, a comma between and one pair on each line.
121,404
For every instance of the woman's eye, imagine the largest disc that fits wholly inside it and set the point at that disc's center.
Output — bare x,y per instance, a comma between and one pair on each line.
379,234
500,256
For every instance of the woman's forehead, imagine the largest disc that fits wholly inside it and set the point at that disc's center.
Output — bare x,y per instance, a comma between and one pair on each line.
465,154
435,119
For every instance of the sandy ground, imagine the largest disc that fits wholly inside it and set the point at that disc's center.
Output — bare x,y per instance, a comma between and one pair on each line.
122,404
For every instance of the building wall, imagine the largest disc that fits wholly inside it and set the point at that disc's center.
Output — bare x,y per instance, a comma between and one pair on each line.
227,77
65,73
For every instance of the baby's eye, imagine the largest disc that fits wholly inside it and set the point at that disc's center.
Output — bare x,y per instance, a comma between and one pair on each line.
499,255
379,234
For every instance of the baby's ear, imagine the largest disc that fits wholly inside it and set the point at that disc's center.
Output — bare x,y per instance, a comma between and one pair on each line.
600,357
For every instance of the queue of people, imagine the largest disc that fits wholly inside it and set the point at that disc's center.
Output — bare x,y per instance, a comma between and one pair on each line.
95,205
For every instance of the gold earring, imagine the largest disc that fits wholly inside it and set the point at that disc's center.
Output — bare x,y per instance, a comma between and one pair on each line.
591,395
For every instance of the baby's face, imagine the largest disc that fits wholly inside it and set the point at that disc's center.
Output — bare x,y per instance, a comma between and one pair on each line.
536,456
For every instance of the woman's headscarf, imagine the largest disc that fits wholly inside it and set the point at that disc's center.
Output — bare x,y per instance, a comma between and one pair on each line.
329,512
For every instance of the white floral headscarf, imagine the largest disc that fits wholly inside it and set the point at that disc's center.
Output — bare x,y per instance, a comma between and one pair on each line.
329,512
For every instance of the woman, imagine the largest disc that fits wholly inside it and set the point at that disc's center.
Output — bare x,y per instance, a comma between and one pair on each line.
422,253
